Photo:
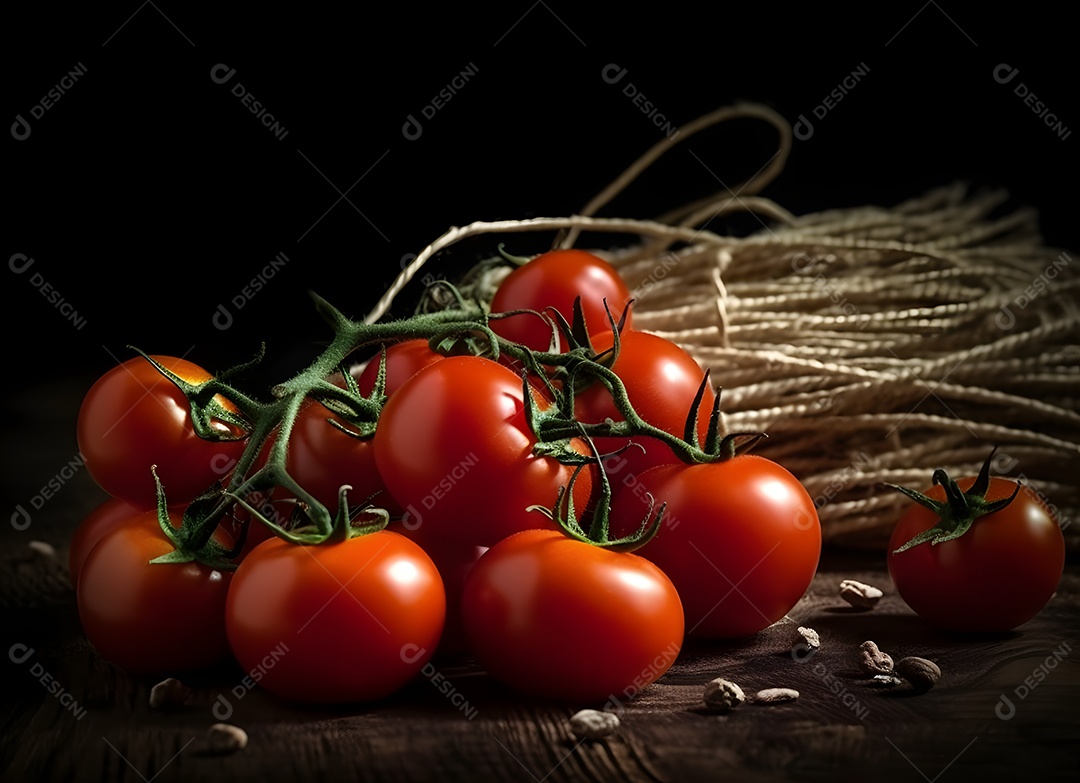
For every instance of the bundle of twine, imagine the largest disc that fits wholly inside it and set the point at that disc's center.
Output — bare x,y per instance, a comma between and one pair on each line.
871,344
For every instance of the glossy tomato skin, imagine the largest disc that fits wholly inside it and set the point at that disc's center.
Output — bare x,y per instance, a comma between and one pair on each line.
107,515
403,360
566,620
132,418
661,380
740,539
554,279
455,561
322,458
345,622
151,618
455,450
995,577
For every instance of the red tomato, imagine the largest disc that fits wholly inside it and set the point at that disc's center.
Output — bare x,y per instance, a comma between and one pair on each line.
995,577
106,516
343,622
403,360
661,381
740,539
322,458
454,560
555,279
134,417
151,618
563,619
455,450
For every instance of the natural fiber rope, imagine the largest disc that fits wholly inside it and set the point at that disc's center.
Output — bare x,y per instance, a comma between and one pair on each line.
871,344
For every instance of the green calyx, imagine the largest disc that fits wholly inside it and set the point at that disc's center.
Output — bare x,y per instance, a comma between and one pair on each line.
959,510
598,534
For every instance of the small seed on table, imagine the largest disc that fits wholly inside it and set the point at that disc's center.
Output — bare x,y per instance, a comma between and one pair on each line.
170,694
775,695
723,695
860,595
886,680
923,674
806,642
873,661
226,738
594,724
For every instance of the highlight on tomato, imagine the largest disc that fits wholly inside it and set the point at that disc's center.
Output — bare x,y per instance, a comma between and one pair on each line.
977,554
133,417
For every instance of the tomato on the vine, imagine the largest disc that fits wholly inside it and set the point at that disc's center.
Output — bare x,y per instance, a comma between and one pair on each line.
455,449
740,539
662,381
559,618
133,418
403,360
322,458
106,516
970,559
554,280
338,622
151,618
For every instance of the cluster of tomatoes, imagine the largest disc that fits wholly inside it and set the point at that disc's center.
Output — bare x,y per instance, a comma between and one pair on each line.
568,522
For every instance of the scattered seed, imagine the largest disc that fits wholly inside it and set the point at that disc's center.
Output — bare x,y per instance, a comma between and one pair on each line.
43,548
886,680
859,595
775,695
170,694
594,724
873,661
923,674
806,642
723,695
226,738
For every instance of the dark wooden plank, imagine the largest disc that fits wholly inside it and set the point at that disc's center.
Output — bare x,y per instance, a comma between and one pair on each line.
841,728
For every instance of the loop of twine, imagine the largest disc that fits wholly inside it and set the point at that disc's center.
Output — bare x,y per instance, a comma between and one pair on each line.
872,344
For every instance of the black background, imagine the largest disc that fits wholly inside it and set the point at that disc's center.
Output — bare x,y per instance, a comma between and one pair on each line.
149,194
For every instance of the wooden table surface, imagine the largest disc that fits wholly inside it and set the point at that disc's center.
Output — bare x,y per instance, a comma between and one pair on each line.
1005,708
